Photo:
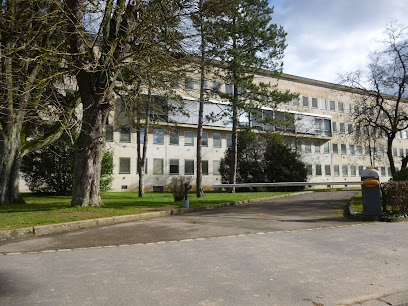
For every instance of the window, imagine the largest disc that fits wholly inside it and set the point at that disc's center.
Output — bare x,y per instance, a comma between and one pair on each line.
109,133
336,170
228,88
295,102
305,101
382,171
124,165
317,146
350,128
344,170
351,149
157,166
174,137
353,170
124,134
358,131
394,152
204,167
323,104
318,170
343,149
342,128
309,170
389,171
367,150
401,152
326,147
158,136
381,151
216,85
189,138
359,150
334,127
204,139
288,143
205,84
340,107
216,140
298,144
189,167
327,170
142,135
356,109
229,140
216,167
332,106
348,108
360,170
308,146
335,148
314,102
189,83
174,166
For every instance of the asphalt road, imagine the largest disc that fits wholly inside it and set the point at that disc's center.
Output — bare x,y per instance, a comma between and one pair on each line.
292,251
312,210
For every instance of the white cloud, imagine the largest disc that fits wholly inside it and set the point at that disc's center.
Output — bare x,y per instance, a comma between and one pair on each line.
326,38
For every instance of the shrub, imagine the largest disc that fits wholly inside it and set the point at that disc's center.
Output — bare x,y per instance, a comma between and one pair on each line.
401,175
396,195
176,187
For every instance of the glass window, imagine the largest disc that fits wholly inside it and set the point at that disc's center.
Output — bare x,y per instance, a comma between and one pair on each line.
124,134
298,144
305,101
229,140
318,170
323,104
204,139
334,127
204,166
401,152
358,130
327,170
382,171
348,108
356,109
308,146
189,83
350,128
344,170
216,85
157,166
174,166
309,170
335,148
158,136
340,106
295,101
360,170
332,105
124,165
142,135
317,146
389,171
216,167
394,152
367,150
342,128
343,149
174,137
216,140
351,149
228,88
205,84
109,133
314,102
353,170
189,167
189,138
336,170
359,150
288,143
326,147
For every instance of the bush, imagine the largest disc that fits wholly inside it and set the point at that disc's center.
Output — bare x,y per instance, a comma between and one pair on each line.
396,195
401,175
50,170
176,187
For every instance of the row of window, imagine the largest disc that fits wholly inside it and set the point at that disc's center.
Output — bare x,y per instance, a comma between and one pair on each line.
173,136
346,170
191,84
173,166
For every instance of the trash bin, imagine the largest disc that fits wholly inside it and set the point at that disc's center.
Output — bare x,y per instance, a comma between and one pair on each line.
371,192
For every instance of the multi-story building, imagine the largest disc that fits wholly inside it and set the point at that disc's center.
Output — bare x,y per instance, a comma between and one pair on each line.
323,131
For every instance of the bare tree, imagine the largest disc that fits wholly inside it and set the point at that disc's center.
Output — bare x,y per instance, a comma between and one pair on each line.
381,89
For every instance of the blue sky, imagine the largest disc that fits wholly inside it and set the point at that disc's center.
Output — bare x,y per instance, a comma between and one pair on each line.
330,37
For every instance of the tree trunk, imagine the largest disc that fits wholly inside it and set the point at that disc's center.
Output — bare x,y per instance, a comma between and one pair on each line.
10,161
389,154
234,148
141,154
86,178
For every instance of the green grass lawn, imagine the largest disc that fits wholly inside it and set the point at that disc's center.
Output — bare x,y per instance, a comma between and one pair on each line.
46,209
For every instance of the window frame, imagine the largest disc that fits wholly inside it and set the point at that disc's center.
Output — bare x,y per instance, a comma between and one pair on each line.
188,144
120,164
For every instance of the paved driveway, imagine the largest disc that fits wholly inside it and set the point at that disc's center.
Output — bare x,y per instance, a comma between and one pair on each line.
306,211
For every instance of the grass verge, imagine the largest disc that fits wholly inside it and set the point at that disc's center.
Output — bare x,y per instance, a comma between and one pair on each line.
46,209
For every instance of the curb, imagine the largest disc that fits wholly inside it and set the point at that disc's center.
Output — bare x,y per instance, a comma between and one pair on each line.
55,228
394,299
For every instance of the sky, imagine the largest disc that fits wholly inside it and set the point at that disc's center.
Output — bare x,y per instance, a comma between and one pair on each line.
326,38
